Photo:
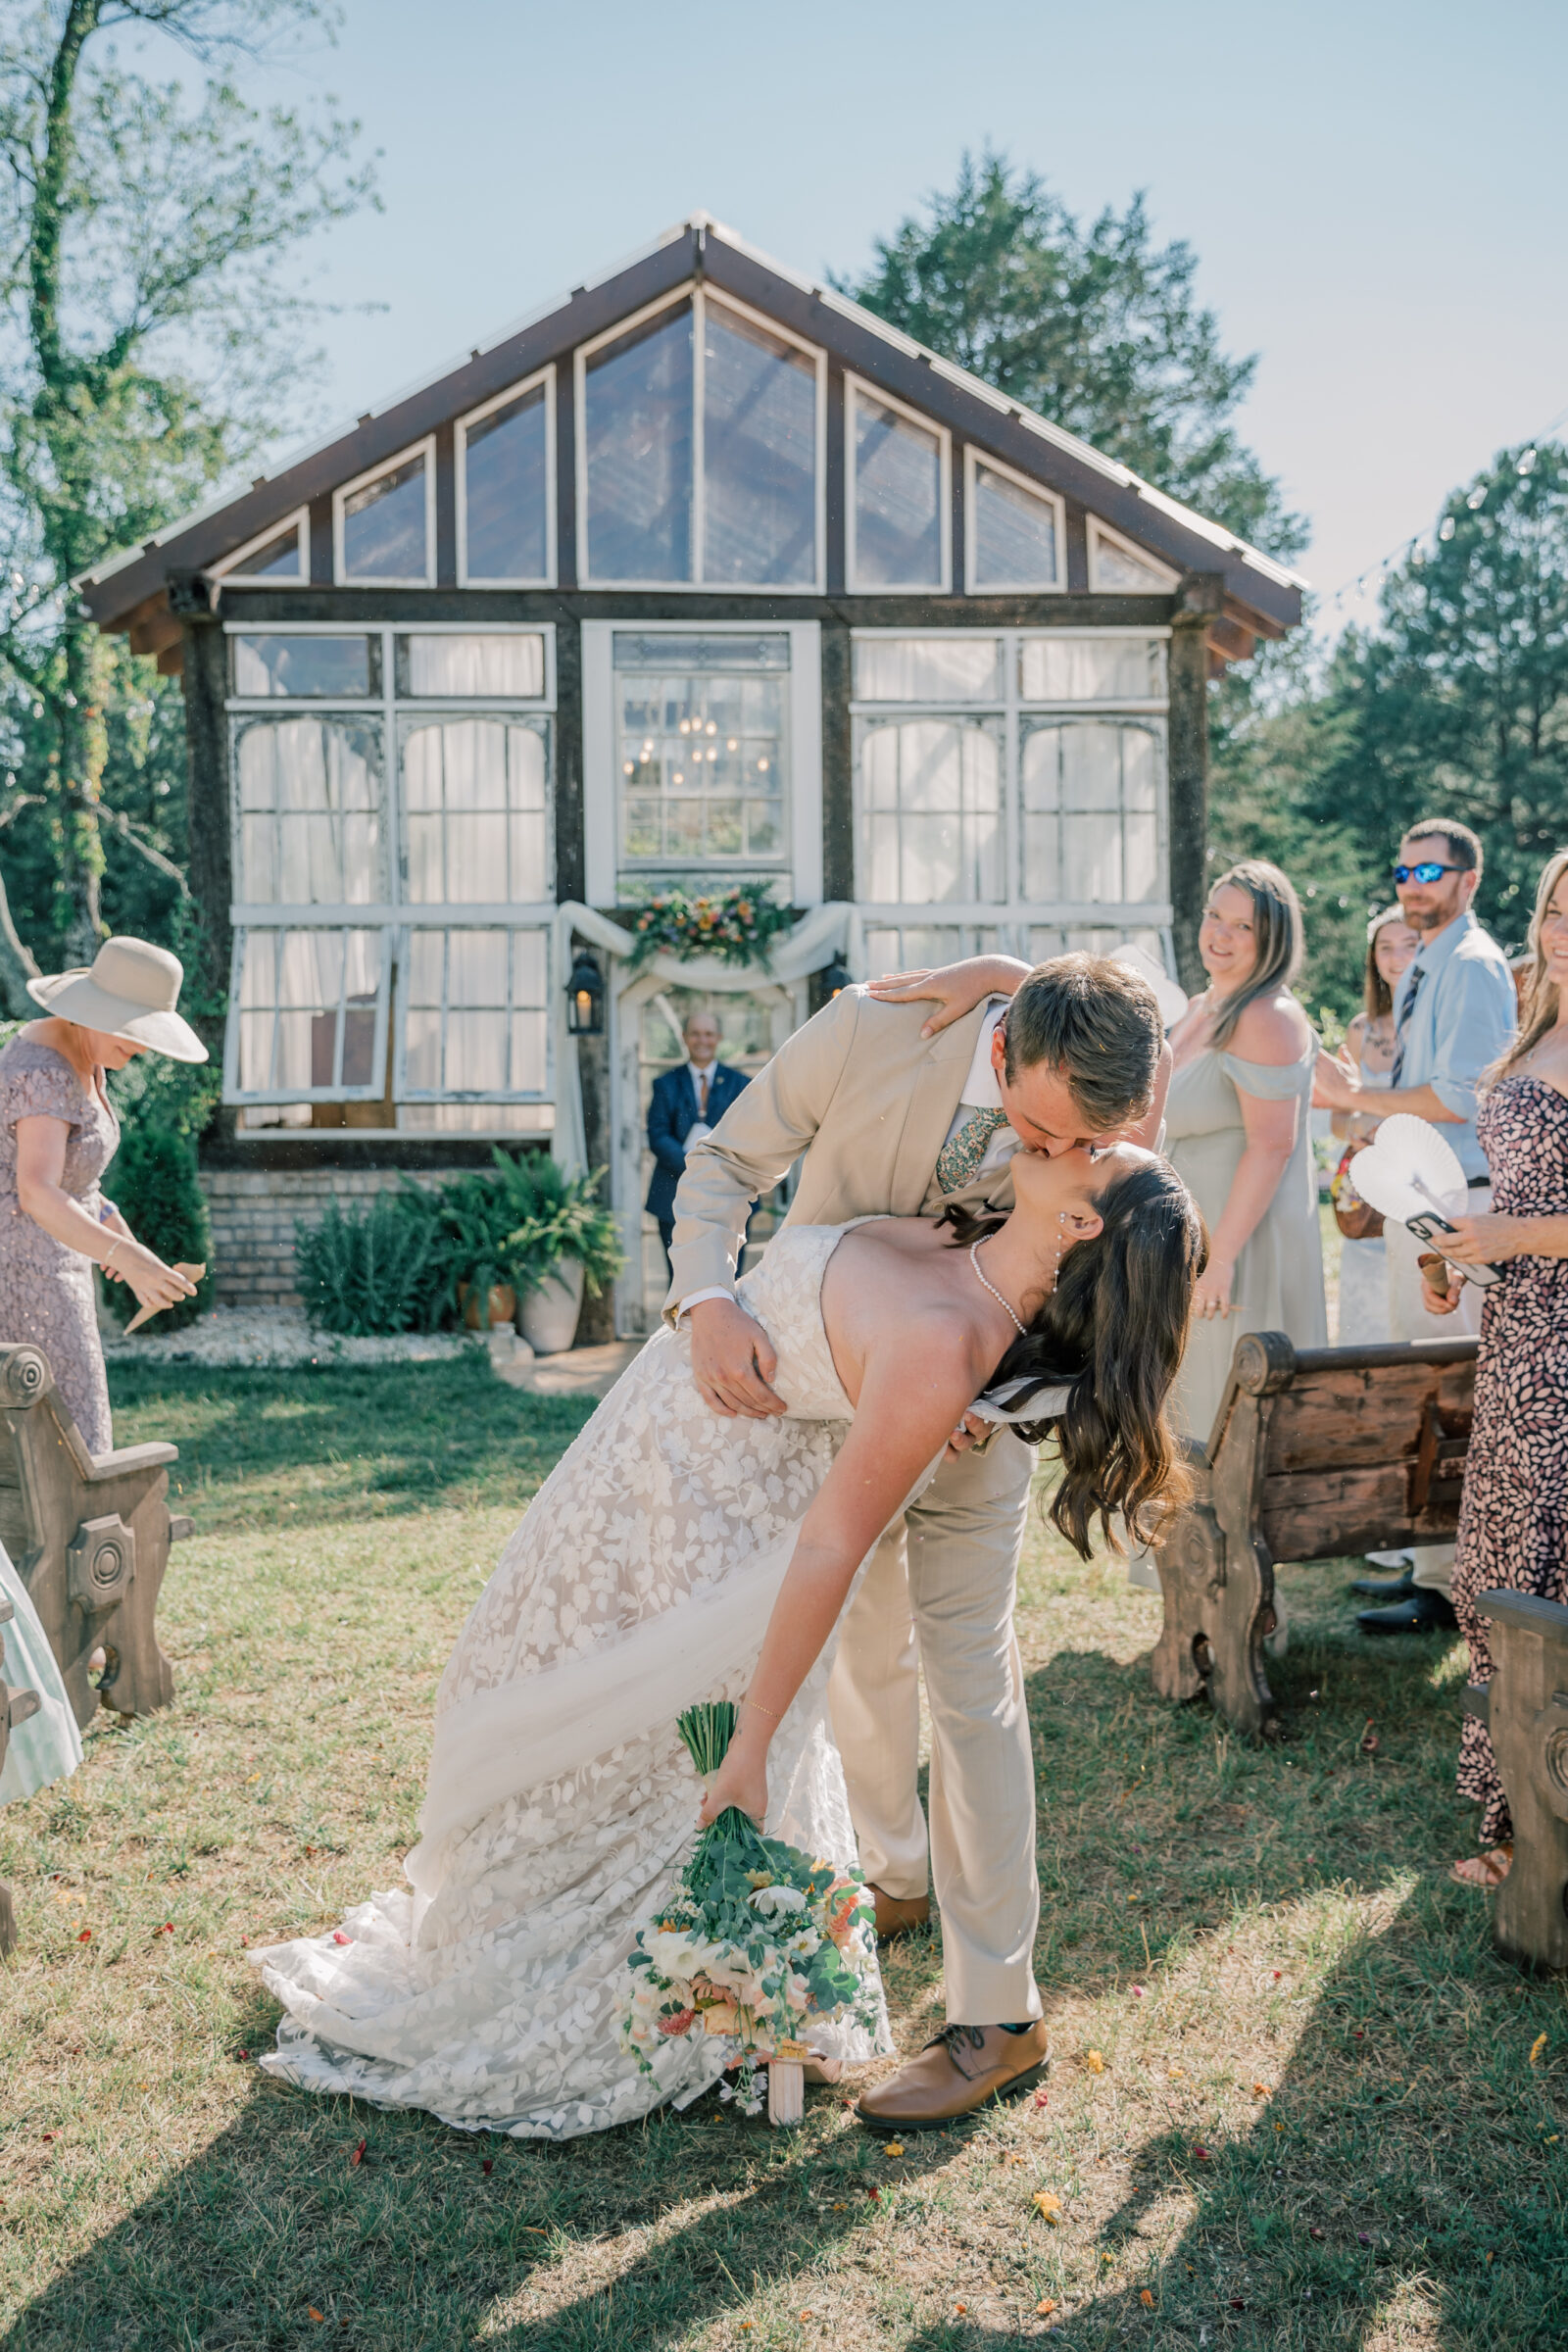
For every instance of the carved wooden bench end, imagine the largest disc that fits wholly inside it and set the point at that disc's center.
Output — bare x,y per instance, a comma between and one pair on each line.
1525,1709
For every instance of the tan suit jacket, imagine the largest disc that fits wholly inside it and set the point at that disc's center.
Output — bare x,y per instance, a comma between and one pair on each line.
869,1103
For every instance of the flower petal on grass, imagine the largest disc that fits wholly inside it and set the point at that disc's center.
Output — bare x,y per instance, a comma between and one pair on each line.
1095,2061
1535,2049
1048,2205
893,2147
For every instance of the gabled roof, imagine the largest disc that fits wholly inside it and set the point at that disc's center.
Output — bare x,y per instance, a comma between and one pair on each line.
1258,594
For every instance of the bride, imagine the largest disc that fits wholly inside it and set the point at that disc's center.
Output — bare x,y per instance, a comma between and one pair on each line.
672,1556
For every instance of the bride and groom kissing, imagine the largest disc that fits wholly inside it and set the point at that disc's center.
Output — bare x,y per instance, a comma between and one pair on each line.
810,1488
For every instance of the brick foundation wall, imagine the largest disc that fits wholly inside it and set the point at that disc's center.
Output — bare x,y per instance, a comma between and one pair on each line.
254,1213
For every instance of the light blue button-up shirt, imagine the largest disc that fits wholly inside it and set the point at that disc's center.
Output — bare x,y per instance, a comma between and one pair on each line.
1465,1015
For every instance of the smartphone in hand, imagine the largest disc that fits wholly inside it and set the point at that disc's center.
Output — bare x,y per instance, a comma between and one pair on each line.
1429,1227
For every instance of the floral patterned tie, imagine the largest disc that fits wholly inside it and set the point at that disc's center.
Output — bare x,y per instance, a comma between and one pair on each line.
961,1155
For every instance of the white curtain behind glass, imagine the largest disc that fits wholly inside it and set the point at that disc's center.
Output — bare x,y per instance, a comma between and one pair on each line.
296,989
476,815
932,810
476,1012
310,800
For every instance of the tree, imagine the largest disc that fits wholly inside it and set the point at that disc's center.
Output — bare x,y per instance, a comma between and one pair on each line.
1457,702
143,357
1098,328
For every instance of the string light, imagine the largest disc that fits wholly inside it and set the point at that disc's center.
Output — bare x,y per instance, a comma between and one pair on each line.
1406,553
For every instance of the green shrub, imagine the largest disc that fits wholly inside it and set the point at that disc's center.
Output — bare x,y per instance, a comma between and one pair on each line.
376,1271
154,1184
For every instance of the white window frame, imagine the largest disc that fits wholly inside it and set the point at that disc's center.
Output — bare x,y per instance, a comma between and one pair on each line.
1168,581
541,375
362,481
1014,916
337,921
391,915
853,387
974,458
299,521
802,882
516,919
699,295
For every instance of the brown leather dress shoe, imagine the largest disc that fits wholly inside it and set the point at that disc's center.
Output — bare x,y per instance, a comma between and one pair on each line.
961,2070
898,1914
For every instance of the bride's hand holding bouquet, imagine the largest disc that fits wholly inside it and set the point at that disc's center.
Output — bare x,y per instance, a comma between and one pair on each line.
741,1780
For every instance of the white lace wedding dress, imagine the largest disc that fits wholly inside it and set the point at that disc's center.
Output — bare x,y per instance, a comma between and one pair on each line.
560,1805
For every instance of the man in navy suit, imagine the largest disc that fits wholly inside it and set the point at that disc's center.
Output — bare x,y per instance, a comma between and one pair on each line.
688,1103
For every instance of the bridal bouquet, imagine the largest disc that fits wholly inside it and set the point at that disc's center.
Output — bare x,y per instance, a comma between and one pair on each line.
756,1943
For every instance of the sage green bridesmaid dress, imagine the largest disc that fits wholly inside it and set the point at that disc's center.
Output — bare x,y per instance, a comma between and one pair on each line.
1279,1274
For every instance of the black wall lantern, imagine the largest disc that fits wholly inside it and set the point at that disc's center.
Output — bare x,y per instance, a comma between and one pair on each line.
585,998
836,978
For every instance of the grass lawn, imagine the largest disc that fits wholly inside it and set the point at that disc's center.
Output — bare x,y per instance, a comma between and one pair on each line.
1295,2100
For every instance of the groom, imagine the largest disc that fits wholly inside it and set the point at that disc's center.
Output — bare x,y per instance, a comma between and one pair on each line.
888,1121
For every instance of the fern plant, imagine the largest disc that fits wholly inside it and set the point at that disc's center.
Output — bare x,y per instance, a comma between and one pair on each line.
552,1216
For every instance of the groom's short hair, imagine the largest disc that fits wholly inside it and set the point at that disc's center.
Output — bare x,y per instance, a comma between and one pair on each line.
1099,1023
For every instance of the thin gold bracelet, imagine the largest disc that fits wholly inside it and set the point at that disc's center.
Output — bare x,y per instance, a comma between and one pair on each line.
104,1263
749,1701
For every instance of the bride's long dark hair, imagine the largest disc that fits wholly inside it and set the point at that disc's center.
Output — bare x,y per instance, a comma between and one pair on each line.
1113,1328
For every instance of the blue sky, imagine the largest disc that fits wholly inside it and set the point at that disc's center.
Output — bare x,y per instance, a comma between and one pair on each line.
1375,191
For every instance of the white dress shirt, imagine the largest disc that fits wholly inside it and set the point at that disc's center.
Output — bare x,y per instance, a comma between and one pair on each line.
699,1126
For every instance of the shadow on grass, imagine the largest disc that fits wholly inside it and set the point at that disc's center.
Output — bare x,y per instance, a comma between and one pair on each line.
339,1441
1406,2126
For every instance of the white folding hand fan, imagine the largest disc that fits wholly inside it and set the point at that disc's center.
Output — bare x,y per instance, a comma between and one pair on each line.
1410,1172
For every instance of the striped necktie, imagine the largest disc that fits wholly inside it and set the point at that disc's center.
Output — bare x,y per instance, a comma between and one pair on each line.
961,1155
1401,1027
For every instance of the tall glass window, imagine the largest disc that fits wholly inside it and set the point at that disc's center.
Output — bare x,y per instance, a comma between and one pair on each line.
384,526
703,753
638,429
1091,812
504,490
1014,533
898,478
758,455
701,452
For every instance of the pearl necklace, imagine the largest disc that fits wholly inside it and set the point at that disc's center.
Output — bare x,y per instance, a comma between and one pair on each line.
992,1287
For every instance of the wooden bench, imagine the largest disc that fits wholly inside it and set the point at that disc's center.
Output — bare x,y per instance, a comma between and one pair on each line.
15,1707
1314,1454
1525,1707
91,1540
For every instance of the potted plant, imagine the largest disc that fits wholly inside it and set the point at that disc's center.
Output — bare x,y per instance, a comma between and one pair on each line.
562,1242
475,1223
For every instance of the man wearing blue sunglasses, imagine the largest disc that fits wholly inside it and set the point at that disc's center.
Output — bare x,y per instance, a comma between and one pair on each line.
1454,1011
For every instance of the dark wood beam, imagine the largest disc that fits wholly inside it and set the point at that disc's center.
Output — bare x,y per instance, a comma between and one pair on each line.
1189,791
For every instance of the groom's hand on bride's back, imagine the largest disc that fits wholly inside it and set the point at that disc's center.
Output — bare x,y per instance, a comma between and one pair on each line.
732,1360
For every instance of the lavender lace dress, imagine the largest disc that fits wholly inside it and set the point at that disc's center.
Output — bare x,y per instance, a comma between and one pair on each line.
1514,1518
46,1291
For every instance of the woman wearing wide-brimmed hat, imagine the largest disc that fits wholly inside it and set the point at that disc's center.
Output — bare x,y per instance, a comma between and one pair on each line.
58,1133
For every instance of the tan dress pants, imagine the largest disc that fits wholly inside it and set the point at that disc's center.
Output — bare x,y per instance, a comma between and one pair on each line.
1409,1319
938,1597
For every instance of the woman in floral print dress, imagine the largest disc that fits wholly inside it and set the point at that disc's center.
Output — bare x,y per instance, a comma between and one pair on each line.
1513,1520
